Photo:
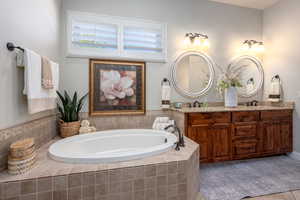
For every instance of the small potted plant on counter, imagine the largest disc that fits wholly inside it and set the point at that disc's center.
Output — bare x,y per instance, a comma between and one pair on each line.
69,123
228,83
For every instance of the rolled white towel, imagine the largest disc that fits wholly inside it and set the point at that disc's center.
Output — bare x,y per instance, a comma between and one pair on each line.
163,119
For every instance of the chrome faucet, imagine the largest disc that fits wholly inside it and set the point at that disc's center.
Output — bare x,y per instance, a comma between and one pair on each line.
180,142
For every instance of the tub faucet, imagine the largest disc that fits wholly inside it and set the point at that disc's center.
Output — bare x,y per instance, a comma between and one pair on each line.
180,142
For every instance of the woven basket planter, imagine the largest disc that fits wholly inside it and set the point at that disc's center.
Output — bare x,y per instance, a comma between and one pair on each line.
68,129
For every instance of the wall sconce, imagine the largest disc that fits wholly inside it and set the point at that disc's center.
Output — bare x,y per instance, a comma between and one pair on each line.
253,45
196,39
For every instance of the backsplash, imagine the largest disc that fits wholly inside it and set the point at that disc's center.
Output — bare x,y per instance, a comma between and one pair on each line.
43,130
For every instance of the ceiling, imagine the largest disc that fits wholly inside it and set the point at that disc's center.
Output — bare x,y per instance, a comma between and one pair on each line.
258,4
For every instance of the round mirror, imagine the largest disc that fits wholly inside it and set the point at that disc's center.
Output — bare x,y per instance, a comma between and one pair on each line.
251,75
192,74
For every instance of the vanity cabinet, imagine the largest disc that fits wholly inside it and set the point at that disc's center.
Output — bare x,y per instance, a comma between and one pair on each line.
213,132
214,139
221,142
240,135
277,136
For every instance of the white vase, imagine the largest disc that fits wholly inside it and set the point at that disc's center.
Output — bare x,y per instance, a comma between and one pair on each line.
231,97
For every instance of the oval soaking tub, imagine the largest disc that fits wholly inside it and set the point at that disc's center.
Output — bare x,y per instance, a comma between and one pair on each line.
112,146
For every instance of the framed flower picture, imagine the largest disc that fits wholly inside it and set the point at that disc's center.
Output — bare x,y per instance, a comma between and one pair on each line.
116,87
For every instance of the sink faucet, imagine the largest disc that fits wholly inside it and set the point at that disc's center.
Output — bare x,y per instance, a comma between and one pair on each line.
180,142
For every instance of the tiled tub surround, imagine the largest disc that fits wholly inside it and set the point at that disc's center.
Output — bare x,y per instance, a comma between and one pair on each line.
43,130
125,121
172,175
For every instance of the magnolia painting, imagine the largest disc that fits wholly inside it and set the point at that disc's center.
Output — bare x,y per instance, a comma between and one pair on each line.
117,87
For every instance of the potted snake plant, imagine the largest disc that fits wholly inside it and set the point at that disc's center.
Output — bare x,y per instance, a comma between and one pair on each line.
69,109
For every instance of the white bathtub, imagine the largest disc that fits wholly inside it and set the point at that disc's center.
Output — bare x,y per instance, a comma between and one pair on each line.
112,146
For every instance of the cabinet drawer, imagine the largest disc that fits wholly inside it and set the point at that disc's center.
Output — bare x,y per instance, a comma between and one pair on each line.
276,115
245,116
209,118
245,130
245,148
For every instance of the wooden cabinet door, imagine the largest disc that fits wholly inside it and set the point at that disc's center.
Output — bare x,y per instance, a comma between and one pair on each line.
221,142
201,135
285,141
269,135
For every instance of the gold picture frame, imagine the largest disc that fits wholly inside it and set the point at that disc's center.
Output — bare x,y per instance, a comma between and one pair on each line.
116,87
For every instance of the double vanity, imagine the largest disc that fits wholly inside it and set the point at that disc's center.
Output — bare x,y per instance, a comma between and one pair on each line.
232,132
238,133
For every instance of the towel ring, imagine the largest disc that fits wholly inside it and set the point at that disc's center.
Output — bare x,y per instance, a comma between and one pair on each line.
165,80
276,77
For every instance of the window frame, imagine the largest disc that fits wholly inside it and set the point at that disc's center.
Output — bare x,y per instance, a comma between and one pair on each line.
120,53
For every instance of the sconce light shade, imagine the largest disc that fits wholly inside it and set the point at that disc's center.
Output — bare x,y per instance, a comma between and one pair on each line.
253,45
245,47
206,42
259,47
197,40
187,41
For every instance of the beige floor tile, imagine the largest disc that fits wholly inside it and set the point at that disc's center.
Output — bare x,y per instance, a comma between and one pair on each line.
282,196
200,197
297,194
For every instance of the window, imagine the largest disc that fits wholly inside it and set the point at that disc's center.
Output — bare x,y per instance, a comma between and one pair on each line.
115,37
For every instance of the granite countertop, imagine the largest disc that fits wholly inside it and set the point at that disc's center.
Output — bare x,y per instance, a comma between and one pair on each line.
47,167
283,106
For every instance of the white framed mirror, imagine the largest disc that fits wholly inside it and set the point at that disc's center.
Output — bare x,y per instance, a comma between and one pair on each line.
192,74
251,75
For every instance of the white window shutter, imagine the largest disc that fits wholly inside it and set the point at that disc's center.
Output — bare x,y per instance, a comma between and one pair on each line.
91,35
103,36
142,39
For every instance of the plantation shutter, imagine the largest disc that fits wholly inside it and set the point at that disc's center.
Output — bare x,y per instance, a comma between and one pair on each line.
102,36
142,39
108,37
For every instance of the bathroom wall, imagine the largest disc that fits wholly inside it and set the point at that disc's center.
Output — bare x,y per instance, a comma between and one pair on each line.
32,24
281,36
227,27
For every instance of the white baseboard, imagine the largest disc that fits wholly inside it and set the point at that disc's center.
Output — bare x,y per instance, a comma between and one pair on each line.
295,155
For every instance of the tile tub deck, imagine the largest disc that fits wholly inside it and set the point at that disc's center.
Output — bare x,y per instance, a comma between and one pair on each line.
171,175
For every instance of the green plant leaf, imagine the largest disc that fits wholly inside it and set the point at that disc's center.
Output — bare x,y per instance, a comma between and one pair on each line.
62,99
74,101
67,98
61,111
70,108
80,103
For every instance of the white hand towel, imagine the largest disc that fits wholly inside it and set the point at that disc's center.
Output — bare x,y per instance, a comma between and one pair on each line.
275,91
20,58
39,99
